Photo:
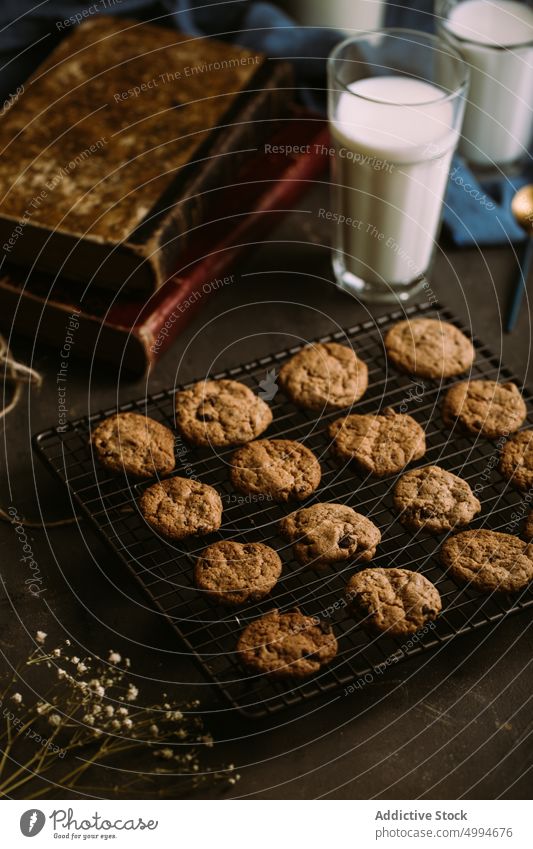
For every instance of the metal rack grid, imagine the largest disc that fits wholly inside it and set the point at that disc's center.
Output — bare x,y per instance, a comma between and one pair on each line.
209,631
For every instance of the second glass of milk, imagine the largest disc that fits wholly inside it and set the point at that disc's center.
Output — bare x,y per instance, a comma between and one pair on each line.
396,102
495,37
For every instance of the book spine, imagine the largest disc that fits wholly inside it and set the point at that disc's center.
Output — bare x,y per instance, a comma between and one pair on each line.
159,327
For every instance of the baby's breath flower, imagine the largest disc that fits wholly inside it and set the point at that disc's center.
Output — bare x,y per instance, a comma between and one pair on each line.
109,710
127,723
67,642
97,710
166,754
40,637
154,730
96,687
182,734
88,719
42,708
122,711
114,657
132,693
17,698
81,668
54,719
61,673
57,652
75,660
115,725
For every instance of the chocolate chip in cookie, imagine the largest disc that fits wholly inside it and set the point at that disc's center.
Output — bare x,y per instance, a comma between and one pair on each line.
221,413
378,444
434,499
484,406
287,645
430,348
324,376
135,444
233,573
489,561
517,459
181,507
325,534
277,468
395,601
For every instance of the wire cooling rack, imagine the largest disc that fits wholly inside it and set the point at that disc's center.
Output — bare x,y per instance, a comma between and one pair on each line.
210,632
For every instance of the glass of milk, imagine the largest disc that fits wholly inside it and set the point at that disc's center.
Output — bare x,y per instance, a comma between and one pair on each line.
344,15
396,102
495,38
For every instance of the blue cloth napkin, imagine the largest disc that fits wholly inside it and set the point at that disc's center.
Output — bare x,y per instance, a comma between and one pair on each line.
473,213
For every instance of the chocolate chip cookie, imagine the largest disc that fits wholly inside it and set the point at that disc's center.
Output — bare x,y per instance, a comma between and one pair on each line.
324,376
517,459
233,573
137,445
434,499
179,507
396,601
488,560
330,533
378,444
278,468
429,348
287,645
221,413
484,406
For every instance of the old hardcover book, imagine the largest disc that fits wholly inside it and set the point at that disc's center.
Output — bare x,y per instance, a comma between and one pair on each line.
108,157
132,333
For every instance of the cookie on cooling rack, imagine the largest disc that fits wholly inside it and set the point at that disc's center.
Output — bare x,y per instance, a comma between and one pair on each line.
233,573
221,413
277,468
394,601
484,407
287,645
324,376
180,507
325,534
134,444
434,499
430,348
378,444
489,561
517,459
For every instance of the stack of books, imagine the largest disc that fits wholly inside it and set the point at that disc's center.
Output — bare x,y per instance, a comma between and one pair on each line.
137,166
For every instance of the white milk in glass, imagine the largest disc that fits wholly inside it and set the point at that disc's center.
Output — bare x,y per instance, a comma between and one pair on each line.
392,158
499,114
345,15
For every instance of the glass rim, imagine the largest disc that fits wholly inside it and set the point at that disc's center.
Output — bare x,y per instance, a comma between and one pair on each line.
433,40
442,20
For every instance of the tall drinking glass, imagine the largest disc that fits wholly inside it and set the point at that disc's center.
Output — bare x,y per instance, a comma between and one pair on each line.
396,102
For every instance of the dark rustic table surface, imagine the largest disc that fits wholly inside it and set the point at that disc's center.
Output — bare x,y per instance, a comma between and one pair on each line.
457,728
